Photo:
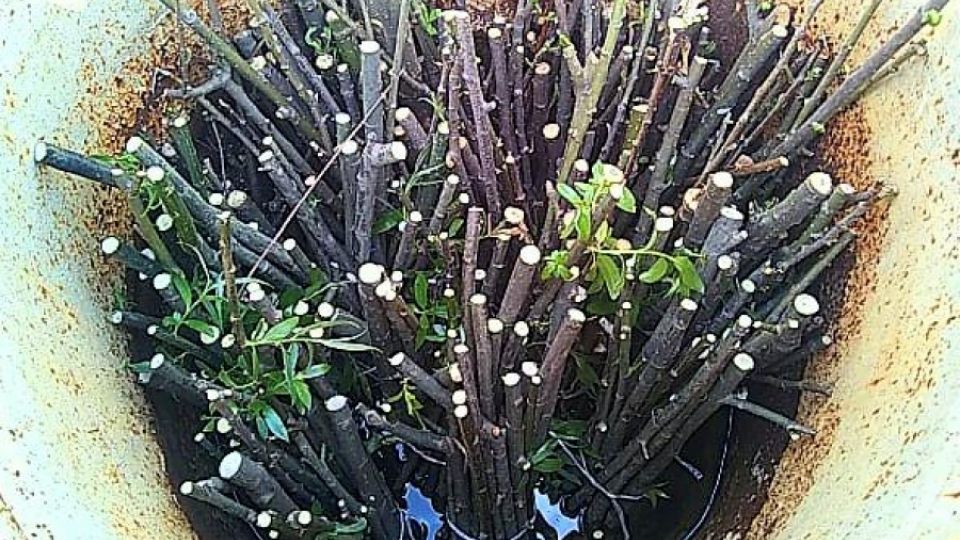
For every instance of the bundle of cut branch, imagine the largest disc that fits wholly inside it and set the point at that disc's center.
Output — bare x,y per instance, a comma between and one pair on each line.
534,250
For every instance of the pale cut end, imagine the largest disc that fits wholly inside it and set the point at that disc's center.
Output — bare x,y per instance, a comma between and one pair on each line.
161,281
536,380
667,211
732,213
186,488
370,273
748,286
415,217
494,326
397,359
157,360
180,121
511,379
164,222
336,403
846,189
223,426
289,244
513,215
820,182
744,321
402,114
722,180
743,361
459,397
342,119
236,198
304,518
40,152
256,294
301,308
478,299
443,128
155,173
688,304
530,369
724,262
700,60
325,310
780,31
542,68
369,47
455,374
521,329
460,349
806,305
494,33
116,317
134,144
581,165
215,199
461,411
453,179
576,316
691,198
349,147
264,520
230,465
266,157
479,274
110,245
398,150
663,224
530,255
676,24
463,198
551,131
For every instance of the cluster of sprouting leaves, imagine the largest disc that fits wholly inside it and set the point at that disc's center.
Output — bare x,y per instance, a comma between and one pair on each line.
612,259
332,42
126,162
277,361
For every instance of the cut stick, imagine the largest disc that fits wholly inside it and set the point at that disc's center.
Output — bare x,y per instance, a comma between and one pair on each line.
421,379
256,482
551,371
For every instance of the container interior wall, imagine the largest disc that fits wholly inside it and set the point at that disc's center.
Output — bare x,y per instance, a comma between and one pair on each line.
884,464
77,457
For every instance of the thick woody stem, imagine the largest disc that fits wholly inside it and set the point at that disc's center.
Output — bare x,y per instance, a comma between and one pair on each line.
420,378
256,482
424,440
793,427
212,491
353,456
716,194
773,225
460,23
519,285
230,283
551,371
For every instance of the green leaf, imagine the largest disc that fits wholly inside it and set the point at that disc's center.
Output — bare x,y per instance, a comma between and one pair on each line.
932,17
140,367
356,527
290,356
611,273
549,465
421,290
202,327
274,423
569,194
455,227
183,288
689,277
300,392
585,373
656,272
627,201
314,371
261,427
346,345
583,224
281,330
388,221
